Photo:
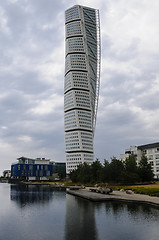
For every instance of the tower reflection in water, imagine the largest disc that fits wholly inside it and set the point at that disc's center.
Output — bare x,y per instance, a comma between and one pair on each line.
80,219
30,194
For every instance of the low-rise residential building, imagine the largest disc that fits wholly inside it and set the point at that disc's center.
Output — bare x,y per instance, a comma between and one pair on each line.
151,151
35,169
131,151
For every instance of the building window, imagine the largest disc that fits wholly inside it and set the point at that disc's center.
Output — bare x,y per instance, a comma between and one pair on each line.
157,156
30,167
150,151
150,157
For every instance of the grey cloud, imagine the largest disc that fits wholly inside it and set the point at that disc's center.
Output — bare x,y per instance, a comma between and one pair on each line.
119,118
17,19
123,87
25,20
29,83
111,139
128,53
13,101
25,81
40,133
149,101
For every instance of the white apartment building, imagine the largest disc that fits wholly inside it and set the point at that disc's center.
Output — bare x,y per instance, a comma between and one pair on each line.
81,88
151,151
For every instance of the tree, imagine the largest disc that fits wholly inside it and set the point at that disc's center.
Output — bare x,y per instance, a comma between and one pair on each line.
130,164
145,170
105,175
82,174
74,175
96,171
115,169
130,174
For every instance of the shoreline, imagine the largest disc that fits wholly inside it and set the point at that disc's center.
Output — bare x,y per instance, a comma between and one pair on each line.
115,196
99,197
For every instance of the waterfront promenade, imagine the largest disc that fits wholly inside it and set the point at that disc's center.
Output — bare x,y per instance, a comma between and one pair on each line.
114,196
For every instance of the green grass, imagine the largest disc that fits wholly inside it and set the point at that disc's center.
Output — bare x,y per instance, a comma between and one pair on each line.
140,190
147,191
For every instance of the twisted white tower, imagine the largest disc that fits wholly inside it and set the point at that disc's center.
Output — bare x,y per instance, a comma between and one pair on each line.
81,91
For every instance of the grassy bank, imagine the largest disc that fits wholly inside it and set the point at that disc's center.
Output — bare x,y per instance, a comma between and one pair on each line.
148,189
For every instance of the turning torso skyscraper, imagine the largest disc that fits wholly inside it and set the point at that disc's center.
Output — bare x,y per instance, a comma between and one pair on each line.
81,90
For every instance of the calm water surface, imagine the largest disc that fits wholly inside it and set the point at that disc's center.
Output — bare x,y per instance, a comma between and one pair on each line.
43,213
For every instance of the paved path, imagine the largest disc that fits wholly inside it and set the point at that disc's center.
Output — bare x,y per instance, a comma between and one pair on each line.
115,195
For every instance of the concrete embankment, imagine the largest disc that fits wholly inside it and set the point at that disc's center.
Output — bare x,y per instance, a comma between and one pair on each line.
114,196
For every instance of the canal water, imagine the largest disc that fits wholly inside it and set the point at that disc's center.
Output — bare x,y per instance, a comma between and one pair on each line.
44,213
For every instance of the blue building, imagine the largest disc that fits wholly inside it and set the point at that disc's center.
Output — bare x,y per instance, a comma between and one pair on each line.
35,169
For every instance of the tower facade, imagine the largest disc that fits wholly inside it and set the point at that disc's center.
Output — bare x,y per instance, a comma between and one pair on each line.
81,88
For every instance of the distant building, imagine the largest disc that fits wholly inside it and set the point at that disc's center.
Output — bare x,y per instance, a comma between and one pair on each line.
131,151
35,169
151,151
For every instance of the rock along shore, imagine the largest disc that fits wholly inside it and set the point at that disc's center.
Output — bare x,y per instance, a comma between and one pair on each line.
114,196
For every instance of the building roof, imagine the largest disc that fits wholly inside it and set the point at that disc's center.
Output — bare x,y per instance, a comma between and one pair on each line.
148,146
26,158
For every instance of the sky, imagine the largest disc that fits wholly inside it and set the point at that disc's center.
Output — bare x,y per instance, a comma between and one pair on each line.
32,54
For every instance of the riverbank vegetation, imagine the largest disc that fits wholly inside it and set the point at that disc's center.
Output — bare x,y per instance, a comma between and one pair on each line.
144,190
118,175
115,172
147,189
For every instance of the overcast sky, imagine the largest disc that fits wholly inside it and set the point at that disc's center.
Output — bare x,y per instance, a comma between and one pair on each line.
32,77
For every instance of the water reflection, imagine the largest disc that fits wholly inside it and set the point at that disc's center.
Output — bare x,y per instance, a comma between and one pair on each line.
127,221
80,219
42,212
110,220
133,209
31,194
